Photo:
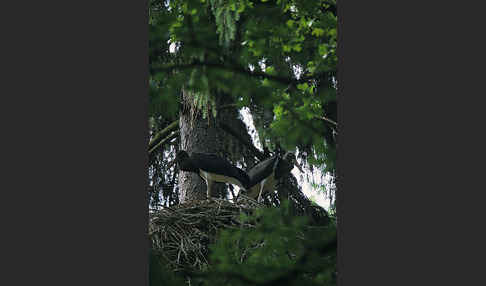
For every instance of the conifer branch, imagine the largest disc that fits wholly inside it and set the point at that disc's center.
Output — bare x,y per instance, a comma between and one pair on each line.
240,70
163,133
164,141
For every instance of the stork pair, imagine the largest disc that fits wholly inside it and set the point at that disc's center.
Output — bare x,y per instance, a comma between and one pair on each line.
260,179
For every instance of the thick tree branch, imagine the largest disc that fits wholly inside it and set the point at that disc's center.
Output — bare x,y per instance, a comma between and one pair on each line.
250,146
163,133
241,70
164,141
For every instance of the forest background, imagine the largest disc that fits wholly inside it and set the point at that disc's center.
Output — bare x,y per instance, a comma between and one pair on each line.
247,80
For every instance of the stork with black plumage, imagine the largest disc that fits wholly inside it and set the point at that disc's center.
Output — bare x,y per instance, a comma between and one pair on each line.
211,168
265,175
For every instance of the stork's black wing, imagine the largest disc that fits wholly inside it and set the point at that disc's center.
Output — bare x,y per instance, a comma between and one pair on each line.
261,171
215,164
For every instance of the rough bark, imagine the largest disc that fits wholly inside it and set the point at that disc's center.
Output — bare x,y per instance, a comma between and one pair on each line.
205,135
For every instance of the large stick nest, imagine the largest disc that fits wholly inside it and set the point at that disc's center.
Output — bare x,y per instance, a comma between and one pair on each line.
182,234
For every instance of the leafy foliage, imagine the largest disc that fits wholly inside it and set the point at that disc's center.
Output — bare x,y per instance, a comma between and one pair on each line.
278,56
281,250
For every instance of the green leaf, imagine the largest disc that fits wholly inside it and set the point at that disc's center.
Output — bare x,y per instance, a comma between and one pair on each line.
303,86
270,70
278,110
241,8
317,32
333,32
322,49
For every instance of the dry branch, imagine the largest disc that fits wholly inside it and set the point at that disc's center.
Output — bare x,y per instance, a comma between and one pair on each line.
182,234
164,141
163,133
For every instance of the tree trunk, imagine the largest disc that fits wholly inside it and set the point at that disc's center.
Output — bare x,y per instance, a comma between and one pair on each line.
204,135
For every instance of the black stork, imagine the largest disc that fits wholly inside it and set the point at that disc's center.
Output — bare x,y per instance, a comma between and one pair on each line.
211,168
264,176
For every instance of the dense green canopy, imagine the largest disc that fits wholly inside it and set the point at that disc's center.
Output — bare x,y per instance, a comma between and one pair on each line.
277,55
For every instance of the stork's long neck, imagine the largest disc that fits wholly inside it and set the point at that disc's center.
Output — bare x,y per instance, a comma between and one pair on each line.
282,168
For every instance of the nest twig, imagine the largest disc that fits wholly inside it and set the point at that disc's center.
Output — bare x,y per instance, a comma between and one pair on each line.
182,234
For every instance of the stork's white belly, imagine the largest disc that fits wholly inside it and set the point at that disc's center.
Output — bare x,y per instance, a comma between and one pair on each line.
220,178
